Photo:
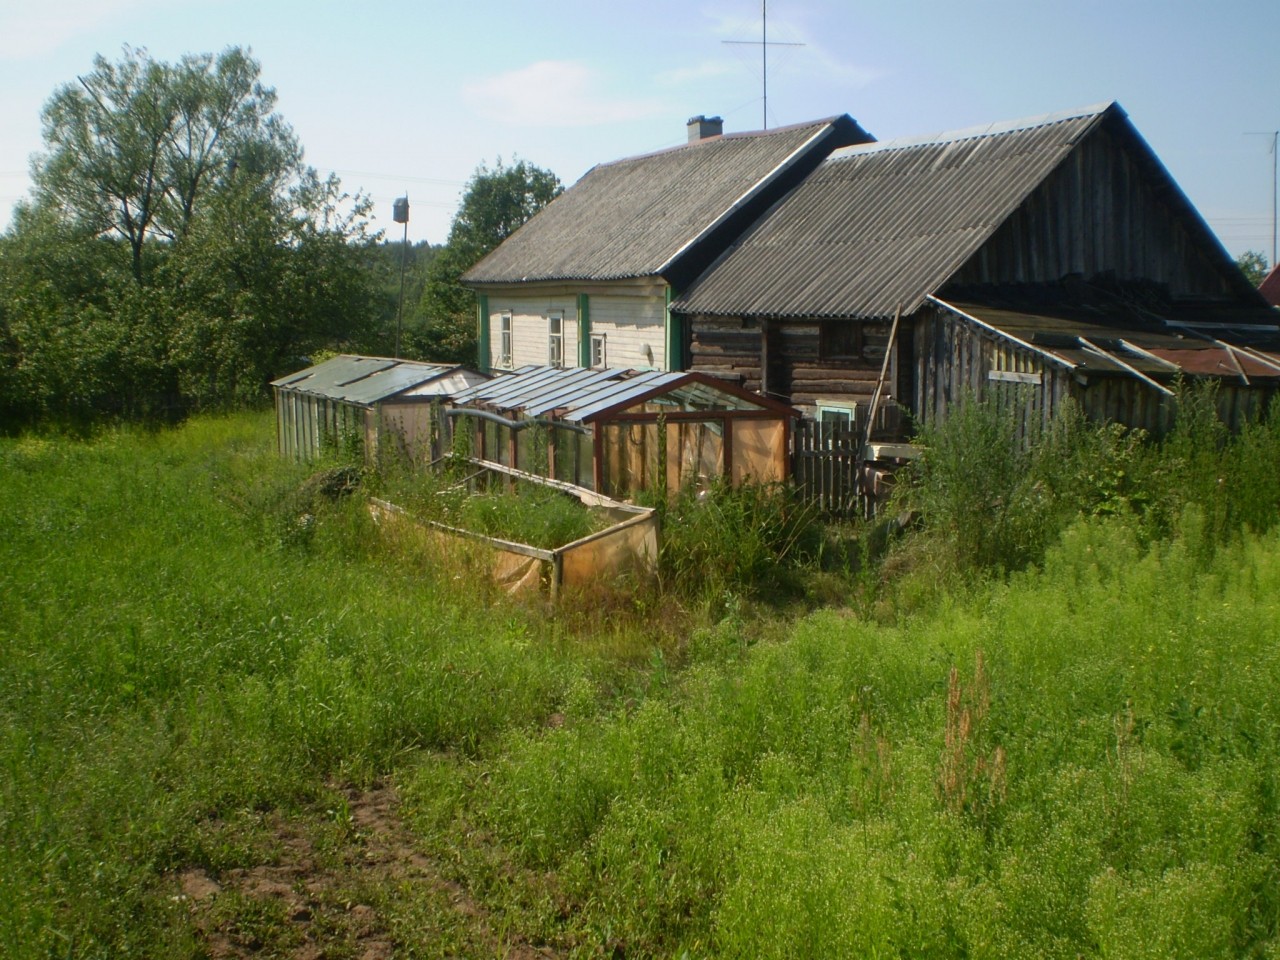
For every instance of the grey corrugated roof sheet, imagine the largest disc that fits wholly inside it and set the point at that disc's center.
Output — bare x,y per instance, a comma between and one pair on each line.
886,224
580,394
636,217
364,380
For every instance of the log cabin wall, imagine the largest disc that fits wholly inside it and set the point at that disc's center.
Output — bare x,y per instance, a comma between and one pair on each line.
785,359
1099,214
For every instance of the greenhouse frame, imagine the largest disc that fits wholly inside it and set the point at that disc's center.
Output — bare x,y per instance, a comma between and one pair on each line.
620,432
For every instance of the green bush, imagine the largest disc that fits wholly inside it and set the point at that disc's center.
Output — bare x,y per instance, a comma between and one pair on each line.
752,540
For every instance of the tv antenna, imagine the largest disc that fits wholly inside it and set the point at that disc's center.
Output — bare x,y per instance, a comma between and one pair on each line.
764,43
1275,179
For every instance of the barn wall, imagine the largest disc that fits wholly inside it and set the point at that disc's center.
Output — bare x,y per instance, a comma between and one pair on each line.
958,359
1098,214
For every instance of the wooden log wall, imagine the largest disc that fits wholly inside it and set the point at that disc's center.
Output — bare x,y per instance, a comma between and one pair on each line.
783,359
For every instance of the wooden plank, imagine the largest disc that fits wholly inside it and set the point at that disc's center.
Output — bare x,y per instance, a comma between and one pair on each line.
1013,376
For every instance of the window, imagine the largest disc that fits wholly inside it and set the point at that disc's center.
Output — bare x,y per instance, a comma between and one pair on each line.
840,416
555,340
504,347
597,351
840,340
839,422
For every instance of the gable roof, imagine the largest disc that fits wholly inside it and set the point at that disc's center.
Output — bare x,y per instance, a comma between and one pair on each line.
663,214
887,224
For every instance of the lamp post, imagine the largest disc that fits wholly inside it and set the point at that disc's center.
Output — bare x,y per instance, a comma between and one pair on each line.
400,213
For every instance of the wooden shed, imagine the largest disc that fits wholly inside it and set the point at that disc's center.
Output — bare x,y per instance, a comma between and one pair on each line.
621,431
364,403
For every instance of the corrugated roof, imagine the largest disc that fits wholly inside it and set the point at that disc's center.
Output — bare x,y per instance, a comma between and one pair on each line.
1089,333
365,380
636,217
579,395
886,224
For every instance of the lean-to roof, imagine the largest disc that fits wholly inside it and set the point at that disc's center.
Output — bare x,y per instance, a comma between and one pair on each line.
370,380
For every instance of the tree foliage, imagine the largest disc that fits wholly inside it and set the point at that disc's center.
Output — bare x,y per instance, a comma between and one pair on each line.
496,203
134,146
1253,265
176,251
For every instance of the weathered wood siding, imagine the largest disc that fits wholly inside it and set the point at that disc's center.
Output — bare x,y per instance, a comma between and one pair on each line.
957,358
1097,214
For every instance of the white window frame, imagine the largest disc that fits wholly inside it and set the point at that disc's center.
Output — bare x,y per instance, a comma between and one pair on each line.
555,339
599,356
504,340
846,410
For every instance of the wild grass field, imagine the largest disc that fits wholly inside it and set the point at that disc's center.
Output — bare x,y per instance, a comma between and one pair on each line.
236,721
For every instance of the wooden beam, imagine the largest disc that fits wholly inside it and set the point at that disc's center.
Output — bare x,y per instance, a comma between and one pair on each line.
1094,348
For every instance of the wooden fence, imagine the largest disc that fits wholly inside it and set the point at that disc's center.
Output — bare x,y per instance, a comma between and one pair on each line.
824,465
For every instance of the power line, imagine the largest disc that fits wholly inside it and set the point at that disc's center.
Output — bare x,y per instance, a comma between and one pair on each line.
396,176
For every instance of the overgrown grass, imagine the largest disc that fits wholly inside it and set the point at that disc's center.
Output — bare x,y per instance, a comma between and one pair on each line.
991,501
170,656
1081,763
519,511
1077,758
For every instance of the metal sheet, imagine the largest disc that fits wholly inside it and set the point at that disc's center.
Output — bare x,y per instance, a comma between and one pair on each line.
884,225
362,380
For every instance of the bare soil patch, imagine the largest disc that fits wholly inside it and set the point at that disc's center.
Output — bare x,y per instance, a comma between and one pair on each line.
348,881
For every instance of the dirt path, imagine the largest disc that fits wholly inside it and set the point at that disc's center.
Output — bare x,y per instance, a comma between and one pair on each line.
362,889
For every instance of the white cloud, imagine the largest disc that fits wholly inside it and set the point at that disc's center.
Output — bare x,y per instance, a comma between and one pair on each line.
705,71
557,93
29,31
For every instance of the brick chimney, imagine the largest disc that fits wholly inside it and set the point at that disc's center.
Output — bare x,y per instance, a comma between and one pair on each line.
703,128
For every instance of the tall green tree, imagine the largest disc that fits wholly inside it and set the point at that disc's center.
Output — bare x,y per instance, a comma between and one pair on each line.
176,251
495,204
134,146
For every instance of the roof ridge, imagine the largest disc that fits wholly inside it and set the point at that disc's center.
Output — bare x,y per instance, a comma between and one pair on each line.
977,132
739,135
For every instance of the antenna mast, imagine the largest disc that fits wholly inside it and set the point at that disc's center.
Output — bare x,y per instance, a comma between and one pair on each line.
764,58
1275,180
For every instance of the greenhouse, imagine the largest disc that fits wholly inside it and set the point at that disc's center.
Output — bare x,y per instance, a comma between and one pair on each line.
620,432
354,402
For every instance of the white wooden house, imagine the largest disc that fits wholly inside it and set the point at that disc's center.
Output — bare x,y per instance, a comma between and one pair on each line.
587,282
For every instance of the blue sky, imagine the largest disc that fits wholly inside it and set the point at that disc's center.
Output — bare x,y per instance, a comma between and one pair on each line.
412,96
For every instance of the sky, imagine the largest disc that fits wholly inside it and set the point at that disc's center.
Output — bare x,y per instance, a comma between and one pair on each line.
411,97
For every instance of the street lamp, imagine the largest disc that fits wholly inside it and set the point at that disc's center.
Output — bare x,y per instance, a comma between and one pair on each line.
400,213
